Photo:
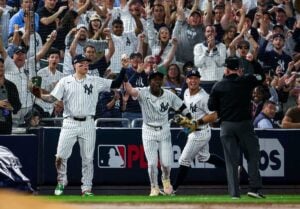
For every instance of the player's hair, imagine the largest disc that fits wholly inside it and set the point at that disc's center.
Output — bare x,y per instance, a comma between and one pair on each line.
53,50
266,103
212,26
88,46
117,21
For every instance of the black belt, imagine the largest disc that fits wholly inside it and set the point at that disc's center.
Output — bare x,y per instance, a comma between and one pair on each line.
156,128
81,119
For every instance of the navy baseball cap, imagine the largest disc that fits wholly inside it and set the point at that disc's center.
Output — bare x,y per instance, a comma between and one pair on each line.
193,72
232,63
80,58
278,35
154,74
18,49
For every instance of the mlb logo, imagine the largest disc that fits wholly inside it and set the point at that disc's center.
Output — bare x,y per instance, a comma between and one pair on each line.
111,156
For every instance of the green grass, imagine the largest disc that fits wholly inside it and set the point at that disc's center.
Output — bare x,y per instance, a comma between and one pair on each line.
278,199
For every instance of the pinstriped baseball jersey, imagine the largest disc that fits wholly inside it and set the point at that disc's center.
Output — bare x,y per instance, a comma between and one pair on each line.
157,141
197,143
155,109
197,104
80,96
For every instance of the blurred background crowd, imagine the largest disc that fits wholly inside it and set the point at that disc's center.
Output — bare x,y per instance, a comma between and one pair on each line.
40,38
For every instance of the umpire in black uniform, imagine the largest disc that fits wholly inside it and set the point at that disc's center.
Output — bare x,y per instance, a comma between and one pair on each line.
230,98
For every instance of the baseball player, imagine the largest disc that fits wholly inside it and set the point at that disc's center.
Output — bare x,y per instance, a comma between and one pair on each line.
155,104
79,93
195,98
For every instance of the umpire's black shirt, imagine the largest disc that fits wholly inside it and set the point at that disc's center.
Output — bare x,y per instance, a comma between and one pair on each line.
231,96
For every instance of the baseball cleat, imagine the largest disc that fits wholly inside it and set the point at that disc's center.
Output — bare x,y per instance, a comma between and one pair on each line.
87,194
154,192
168,189
59,189
256,194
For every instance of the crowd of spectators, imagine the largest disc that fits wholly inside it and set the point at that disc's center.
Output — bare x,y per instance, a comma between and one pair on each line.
172,36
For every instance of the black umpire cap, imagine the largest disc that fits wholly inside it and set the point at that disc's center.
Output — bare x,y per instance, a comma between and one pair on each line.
232,63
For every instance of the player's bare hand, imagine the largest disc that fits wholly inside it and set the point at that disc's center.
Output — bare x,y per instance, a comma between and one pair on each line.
107,33
141,68
36,91
125,61
6,105
180,14
62,8
148,10
116,95
174,41
141,37
53,35
16,27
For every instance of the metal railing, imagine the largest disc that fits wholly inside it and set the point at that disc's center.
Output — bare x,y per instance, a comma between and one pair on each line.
99,120
57,122
137,123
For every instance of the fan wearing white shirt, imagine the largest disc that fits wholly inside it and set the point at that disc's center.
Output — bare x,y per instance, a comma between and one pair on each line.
50,76
125,43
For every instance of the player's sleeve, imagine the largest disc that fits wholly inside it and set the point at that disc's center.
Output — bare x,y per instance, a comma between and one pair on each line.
177,103
58,90
102,84
204,104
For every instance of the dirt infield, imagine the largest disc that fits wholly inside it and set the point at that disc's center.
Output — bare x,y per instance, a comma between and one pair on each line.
10,200
183,206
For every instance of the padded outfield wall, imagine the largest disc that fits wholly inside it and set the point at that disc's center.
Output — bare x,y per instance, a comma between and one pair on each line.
120,160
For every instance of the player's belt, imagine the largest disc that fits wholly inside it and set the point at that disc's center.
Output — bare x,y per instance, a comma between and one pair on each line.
82,118
156,128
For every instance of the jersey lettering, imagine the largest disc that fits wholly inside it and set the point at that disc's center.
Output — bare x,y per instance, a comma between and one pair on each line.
88,90
193,108
164,107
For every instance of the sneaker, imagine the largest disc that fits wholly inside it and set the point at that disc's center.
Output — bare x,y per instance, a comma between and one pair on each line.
168,189
59,189
173,193
154,192
235,198
256,195
87,194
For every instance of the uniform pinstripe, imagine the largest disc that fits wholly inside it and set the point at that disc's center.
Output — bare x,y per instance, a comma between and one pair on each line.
197,143
157,140
80,98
